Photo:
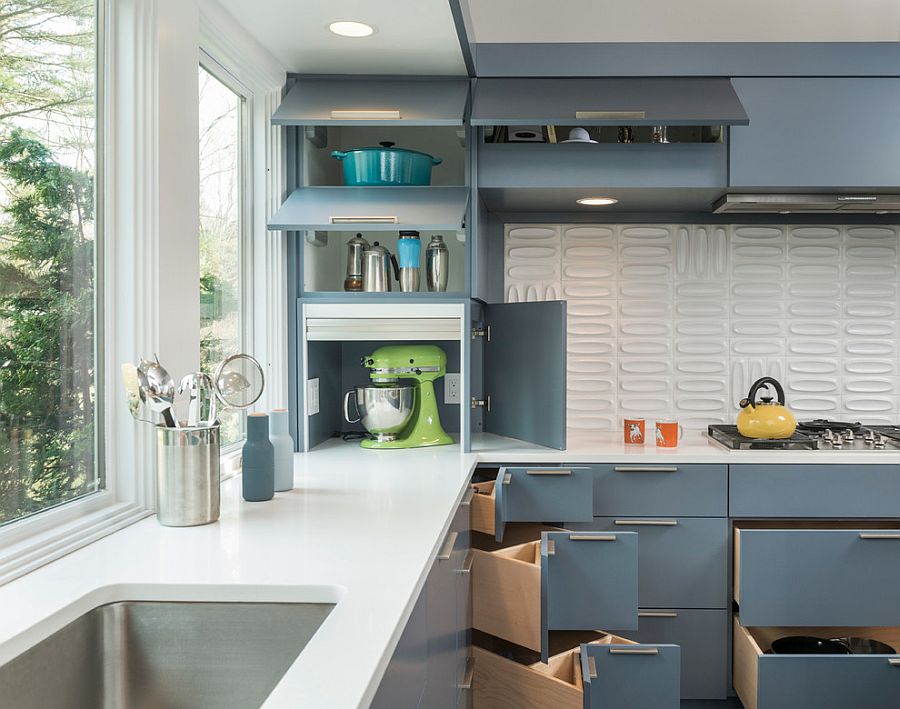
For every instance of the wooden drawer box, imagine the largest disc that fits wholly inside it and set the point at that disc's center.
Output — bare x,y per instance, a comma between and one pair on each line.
767,681
821,576
609,672
564,581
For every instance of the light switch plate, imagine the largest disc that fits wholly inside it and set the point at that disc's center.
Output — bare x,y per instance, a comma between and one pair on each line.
451,388
312,396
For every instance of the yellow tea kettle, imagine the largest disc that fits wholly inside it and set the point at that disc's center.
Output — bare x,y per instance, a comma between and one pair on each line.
765,418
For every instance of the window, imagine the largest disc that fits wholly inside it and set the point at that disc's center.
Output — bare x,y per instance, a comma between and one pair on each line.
49,248
222,230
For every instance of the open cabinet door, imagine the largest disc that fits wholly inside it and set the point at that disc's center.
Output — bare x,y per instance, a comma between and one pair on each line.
525,371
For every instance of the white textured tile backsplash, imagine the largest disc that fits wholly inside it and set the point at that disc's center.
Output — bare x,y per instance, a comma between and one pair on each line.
678,320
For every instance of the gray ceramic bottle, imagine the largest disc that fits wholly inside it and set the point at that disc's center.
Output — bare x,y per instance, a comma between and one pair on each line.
258,479
284,450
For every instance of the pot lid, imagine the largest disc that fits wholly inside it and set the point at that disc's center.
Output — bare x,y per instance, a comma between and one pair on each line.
387,145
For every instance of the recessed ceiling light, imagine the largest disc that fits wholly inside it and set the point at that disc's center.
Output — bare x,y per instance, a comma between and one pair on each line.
347,28
597,201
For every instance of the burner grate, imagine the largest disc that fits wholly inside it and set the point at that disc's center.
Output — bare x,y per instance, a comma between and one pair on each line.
729,437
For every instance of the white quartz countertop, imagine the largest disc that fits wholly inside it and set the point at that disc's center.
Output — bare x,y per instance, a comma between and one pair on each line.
359,530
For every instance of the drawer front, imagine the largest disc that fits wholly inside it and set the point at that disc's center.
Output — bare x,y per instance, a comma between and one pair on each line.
814,491
682,561
632,676
660,490
702,636
817,577
588,581
542,494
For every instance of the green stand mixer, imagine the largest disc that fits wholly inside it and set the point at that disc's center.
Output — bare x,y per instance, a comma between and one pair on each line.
399,414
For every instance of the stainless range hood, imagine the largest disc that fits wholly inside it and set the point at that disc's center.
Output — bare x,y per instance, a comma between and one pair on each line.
808,204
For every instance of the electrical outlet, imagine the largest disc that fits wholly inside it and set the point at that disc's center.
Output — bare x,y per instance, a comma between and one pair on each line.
312,397
451,388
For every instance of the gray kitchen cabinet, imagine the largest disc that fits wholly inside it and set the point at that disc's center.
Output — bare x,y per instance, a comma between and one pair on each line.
403,683
814,491
633,676
682,561
817,133
541,494
659,490
420,101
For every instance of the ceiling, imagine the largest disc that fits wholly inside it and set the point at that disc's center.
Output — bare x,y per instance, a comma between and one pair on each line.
686,20
411,37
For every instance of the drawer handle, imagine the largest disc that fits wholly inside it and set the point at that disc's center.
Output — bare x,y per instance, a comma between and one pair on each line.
447,549
559,471
657,614
647,522
467,564
866,535
894,662
592,537
507,478
646,469
609,115
592,667
467,497
633,651
469,674
365,114
371,219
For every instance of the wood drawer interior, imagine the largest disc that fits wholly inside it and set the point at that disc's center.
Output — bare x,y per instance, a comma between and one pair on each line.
484,510
750,644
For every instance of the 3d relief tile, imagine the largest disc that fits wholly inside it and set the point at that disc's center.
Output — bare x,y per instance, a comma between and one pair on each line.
814,328
814,367
816,272
865,367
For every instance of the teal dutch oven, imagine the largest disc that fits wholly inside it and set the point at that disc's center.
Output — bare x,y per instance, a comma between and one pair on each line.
386,165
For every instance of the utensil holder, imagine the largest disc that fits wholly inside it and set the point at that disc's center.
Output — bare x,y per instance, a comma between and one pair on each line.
187,475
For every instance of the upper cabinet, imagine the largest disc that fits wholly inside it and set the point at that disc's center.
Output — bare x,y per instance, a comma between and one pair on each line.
597,102
374,102
817,133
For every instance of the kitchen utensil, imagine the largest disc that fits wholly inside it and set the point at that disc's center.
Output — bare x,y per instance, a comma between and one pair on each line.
437,265
579,135
238,381
807,645
386,165
133,392
384,410
625,134
157,389
525,134
377,264
409,251
198,387
668,433
766,418
865,646
187,475
355,248
659,134
633,430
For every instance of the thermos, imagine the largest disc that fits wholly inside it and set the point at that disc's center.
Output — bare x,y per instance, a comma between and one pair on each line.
409,249
258,478
437,264
355,248
377,262
284,450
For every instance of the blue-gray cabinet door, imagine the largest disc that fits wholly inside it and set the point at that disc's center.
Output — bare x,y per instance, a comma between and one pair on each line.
659,490
588,582
525,371
818,577
632,676
441,590
403,683
817,132
828,682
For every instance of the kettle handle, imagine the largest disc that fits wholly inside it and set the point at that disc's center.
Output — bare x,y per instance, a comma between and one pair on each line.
759,384
396,267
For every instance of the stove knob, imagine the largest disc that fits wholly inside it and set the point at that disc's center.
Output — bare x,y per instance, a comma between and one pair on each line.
880,442
837,442
829,435
848,436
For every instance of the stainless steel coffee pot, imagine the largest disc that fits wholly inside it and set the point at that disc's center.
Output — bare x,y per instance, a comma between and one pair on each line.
355,249
377,263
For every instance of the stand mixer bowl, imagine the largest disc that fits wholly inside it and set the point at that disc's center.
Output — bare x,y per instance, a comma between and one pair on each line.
384,410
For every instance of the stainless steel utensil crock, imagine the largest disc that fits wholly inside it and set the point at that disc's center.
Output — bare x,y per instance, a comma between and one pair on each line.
384,411
187,475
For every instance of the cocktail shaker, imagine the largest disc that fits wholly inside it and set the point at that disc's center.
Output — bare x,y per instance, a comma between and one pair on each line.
409,250
437,264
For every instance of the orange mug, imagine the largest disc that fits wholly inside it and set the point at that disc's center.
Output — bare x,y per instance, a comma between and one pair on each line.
668,433
634,431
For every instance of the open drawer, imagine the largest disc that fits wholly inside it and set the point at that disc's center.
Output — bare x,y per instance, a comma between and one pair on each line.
607,672
563,581
532,494
766,681
820,574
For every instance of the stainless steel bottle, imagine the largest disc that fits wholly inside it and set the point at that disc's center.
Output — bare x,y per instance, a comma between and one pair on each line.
354,277
437,264
409,255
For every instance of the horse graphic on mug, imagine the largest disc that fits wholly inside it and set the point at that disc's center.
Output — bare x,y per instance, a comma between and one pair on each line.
635,435
660,438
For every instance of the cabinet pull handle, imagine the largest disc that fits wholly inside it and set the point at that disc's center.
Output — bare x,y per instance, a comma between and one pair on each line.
592,667
507,478
367,220
469,674
633,651
547,471
647,522
363,114
894,662
867,535
592,537
657,614
467,497
609,115
467,564
447,549
646,469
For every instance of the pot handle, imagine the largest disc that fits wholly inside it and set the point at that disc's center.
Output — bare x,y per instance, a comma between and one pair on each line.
759,384
396,267
386,143
347,407
338,154
436,161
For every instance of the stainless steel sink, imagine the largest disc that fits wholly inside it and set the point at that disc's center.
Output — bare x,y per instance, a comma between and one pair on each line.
163,655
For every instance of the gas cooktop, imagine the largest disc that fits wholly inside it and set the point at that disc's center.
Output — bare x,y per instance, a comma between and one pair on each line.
820,434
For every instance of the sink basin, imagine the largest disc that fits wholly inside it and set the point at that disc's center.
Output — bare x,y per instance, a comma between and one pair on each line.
164,655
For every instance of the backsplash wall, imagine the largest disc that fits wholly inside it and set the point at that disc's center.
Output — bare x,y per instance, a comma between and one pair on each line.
678,320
